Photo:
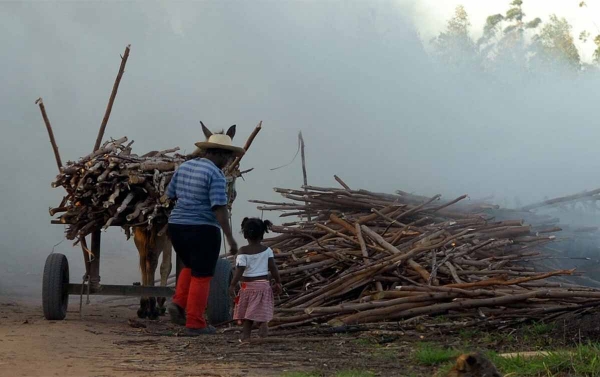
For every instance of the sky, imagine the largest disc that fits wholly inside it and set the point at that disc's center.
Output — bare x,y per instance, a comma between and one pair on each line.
354,76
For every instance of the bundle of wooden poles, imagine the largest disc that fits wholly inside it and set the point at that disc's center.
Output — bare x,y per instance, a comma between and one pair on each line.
112,186
358,257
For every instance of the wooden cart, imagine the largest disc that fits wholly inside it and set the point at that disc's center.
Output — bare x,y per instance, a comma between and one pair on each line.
57,286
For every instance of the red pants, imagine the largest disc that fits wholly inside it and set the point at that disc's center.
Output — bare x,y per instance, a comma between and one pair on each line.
191,293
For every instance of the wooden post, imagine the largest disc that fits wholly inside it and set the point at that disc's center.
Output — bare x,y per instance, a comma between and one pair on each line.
303,167
50,133
96,235
236,161
111,100
95,264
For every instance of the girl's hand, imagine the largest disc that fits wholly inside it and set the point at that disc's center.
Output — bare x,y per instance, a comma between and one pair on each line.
277,289
232,291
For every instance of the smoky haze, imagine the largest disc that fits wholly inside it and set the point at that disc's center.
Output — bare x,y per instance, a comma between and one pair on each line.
353,76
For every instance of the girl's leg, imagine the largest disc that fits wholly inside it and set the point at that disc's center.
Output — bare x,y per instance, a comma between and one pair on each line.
263,330
247,329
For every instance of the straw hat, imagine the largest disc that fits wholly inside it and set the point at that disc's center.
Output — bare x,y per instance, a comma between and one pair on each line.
220,141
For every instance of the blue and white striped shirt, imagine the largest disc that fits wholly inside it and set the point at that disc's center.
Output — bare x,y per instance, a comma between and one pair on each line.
198,185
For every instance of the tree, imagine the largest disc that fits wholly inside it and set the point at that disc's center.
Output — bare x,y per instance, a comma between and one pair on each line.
585,35
454,47
554,45
503,41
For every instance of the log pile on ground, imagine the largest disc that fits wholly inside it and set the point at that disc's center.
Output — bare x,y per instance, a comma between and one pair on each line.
113,186
360,257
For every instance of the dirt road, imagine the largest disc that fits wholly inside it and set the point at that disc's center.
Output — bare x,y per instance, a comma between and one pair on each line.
104,343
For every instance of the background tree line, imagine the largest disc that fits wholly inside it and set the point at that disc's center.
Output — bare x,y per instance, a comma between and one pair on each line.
515,42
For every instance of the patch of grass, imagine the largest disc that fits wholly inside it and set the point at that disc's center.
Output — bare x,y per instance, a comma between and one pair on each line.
428,354
364,341
299,374
540,328
440,319
583,361
385,353
355,373
468,334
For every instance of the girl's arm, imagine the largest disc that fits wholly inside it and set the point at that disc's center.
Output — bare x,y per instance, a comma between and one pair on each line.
239,271
275,273
240,266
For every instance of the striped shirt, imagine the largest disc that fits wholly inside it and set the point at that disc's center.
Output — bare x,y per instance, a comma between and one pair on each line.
198,185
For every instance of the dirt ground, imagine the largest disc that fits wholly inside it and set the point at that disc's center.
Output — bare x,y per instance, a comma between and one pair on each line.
109,340
103,342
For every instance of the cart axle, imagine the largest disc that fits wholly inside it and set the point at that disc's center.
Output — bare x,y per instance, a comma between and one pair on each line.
121,290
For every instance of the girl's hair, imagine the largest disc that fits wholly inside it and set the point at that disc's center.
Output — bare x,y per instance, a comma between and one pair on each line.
254,228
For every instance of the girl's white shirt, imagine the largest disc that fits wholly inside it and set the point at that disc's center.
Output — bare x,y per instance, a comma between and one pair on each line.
256,264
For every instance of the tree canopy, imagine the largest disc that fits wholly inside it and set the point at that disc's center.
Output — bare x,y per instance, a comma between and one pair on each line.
512,40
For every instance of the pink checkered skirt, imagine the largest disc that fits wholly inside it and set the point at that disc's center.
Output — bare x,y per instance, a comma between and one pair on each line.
255,302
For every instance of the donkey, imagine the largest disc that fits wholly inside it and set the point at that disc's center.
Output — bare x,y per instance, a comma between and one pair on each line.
150,245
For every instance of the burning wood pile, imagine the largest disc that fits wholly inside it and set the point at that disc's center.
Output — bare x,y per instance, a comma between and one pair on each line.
362,257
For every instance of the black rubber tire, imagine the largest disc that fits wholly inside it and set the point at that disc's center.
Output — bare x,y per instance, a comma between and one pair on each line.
220,305
55,296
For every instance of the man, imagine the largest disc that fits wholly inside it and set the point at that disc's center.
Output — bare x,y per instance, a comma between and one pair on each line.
195,224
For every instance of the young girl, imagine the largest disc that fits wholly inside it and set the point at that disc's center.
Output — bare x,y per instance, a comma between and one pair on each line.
253,263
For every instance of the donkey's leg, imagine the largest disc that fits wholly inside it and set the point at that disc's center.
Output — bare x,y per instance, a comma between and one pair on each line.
143,309
151,264
165,270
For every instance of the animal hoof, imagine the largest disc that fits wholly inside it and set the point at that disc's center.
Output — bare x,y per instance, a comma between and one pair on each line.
142,313
163,311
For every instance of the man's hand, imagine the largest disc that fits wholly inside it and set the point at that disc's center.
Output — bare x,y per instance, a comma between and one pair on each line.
277,289
223,218
233,247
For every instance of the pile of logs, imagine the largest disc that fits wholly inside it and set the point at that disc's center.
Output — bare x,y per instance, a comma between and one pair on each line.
112,186
359,257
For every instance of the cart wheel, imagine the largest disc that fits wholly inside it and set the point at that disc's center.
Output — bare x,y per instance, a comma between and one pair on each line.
220,306
55,296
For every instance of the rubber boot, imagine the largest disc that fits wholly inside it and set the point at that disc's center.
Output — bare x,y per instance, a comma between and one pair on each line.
183,287
196,304
177,307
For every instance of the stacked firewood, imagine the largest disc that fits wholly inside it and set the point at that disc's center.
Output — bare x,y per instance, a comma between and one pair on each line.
113,186
360,257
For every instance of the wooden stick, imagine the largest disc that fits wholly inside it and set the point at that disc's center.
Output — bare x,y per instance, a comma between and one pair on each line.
344,185
361,241
302,157
237,160
342,223
496,281
560,200
111,100
50,133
